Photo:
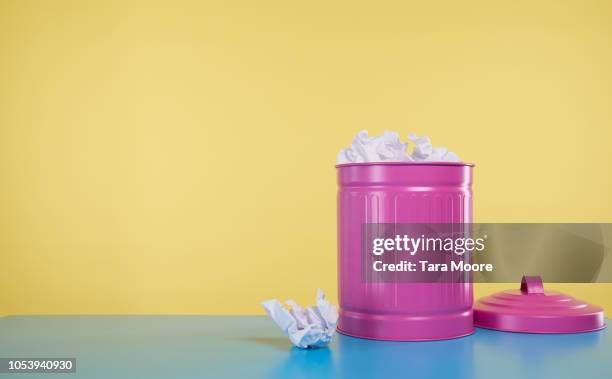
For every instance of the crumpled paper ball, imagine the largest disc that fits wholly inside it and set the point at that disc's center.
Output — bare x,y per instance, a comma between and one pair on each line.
309,327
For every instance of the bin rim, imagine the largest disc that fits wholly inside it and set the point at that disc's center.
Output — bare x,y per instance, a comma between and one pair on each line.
410,163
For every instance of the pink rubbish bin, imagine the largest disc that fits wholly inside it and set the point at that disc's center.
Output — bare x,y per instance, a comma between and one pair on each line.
400,193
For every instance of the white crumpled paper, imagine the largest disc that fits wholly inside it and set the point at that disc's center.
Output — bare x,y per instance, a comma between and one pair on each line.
306,328
389,148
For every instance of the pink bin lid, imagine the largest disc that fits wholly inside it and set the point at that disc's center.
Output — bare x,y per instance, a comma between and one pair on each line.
533,310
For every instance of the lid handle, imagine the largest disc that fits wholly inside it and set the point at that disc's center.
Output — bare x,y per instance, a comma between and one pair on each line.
532,284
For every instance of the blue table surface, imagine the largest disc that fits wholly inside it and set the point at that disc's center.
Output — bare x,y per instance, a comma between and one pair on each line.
253,347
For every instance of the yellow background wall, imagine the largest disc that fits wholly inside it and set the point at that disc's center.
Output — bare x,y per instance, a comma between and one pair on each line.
177,157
